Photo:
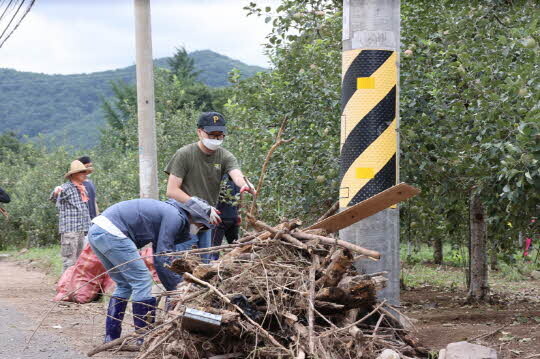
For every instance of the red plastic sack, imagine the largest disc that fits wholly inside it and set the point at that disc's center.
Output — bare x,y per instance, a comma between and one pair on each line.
108,285
79,278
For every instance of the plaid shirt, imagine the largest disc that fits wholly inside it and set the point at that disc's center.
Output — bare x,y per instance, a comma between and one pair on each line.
73,212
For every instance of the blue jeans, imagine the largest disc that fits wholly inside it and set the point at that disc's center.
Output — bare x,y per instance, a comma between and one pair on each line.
200,240
132,279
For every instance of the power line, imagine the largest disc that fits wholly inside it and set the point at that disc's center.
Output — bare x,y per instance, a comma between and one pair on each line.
20,20
7,7
12,18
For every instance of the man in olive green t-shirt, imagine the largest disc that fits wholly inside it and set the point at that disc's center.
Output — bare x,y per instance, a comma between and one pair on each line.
196,170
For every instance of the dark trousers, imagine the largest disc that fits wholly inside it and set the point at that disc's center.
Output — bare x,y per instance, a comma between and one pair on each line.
229,229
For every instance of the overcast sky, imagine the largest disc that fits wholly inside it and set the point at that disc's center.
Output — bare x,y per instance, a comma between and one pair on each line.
76,36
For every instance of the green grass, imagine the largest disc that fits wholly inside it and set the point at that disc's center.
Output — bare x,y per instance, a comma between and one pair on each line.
46,258
456,257
520,269
419,275
418,268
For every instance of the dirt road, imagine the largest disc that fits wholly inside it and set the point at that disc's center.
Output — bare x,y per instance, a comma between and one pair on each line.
68,331
16,328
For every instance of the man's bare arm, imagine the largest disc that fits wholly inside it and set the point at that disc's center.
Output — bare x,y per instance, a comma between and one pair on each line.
174,191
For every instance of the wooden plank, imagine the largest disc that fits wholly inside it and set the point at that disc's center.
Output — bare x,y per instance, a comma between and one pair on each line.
366,208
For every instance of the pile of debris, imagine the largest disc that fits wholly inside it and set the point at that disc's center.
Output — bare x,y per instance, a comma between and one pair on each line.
279,293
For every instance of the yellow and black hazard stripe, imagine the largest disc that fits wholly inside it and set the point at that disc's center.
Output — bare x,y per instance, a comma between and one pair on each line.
368,124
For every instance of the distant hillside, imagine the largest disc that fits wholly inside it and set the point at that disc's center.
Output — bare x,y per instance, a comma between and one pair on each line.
66,109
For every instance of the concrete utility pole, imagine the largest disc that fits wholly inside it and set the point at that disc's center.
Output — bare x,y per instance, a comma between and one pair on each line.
145,101
369,120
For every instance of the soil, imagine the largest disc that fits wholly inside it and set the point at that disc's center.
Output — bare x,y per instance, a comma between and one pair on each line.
442,317
439,316
26,292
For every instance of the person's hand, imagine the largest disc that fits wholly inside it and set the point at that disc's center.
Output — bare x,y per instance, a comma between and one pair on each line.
57,190
248,188
215,219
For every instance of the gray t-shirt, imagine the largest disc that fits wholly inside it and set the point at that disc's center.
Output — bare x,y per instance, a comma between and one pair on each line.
201,173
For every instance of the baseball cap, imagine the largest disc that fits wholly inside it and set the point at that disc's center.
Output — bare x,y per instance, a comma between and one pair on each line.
212,122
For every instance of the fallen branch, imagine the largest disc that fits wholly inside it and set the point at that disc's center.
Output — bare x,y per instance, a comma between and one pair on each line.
482,336
161,341
276,144
339,242
331,211
113,343
207,249
311,306
277,232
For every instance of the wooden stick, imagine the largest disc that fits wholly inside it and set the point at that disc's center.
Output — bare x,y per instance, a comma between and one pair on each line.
401,314
226,356
350,317
161,341
330,332
241,311
377,326
330,212
274,231
324,318
311,305
391,316
206,250
339,242
128,348
276,144
489,334
112,344
249,237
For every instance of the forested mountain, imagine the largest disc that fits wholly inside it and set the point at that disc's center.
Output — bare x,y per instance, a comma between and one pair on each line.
66,109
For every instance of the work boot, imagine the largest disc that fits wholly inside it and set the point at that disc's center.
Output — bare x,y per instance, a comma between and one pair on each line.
115,315
143,313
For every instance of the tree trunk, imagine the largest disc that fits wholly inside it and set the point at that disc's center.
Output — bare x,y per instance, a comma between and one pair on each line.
437,250
478,287
493,261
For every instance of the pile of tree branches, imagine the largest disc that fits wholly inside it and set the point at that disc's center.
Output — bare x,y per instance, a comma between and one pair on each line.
277,293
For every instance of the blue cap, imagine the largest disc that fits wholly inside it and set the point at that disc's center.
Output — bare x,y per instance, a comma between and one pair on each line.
198,210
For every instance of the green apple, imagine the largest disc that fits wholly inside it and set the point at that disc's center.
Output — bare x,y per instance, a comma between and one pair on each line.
529,43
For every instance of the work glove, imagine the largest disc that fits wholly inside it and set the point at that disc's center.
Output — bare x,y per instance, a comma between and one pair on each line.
57,190
238,220
248,188
214,216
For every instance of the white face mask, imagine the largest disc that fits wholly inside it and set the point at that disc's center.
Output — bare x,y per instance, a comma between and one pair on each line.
211,144
194,229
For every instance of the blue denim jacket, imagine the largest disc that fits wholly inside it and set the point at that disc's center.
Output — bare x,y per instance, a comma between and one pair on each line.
150,221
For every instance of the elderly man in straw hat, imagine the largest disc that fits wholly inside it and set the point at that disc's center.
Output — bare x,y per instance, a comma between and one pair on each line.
74,218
